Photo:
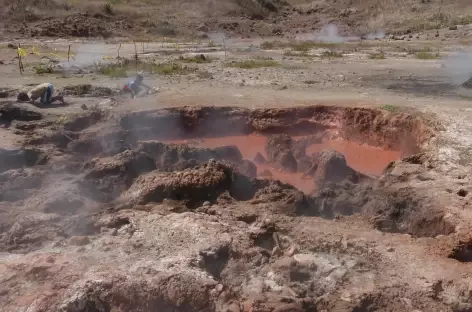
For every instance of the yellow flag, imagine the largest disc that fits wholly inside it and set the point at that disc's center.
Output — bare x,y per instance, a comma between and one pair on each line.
21,52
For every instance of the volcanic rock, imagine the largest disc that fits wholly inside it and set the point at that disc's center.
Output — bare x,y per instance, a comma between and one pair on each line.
332,167
279,151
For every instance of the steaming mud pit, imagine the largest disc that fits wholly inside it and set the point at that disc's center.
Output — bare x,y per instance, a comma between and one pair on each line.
111,213
363,158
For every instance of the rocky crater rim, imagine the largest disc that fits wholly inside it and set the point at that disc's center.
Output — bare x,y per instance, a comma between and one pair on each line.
401,132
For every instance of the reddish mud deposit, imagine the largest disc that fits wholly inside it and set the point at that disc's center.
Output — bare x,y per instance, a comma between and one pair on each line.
98,214
363,158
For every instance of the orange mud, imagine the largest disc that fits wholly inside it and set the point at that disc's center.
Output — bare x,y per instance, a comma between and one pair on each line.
366,159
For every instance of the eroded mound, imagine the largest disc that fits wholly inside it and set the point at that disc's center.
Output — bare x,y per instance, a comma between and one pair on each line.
155,212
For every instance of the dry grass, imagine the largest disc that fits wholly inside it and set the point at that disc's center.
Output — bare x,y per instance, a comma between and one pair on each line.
301,46
331,54
377,56
255,63
174,18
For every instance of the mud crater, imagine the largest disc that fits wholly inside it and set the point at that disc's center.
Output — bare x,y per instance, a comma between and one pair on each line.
209,190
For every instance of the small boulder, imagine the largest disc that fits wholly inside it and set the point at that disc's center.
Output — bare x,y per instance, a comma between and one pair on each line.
287,161
332,167
79,240
279,151
230,152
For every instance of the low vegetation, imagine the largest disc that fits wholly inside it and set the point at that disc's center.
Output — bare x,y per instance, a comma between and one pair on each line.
412,49
301,46
172,68
390,108
427,55
429,21
125,67
377,56
331,54
42,69
254,63
111,70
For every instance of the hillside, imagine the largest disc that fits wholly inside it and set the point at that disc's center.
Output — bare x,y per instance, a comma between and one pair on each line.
246,18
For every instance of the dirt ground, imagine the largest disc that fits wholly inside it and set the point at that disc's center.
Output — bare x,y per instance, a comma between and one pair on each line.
101,212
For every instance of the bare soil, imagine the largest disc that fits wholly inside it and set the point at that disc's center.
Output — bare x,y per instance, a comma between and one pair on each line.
236,18
115,204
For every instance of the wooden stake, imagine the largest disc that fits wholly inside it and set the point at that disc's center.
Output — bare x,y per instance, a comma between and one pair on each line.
136,55
68,54
20,62
224,45
119,48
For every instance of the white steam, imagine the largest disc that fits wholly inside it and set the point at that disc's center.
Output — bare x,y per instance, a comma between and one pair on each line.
458,66
330,34
86,54
378,34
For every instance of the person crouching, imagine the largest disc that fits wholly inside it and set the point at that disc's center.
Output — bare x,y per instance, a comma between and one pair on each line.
134,87
44,92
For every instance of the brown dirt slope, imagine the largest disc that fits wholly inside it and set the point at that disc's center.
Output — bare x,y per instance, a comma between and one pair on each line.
158,18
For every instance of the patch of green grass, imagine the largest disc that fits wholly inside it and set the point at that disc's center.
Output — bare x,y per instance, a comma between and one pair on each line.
108,8
112,70
301,46
172,68
43,69
377,56
255,63
427,55
199,59
390,108
331,54
416,49
120,69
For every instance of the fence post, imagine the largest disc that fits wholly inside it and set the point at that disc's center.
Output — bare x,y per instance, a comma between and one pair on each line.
136,55
20,62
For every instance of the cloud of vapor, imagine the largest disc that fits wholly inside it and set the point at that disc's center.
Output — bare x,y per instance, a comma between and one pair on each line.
330,34
87,54
458,66
378,34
